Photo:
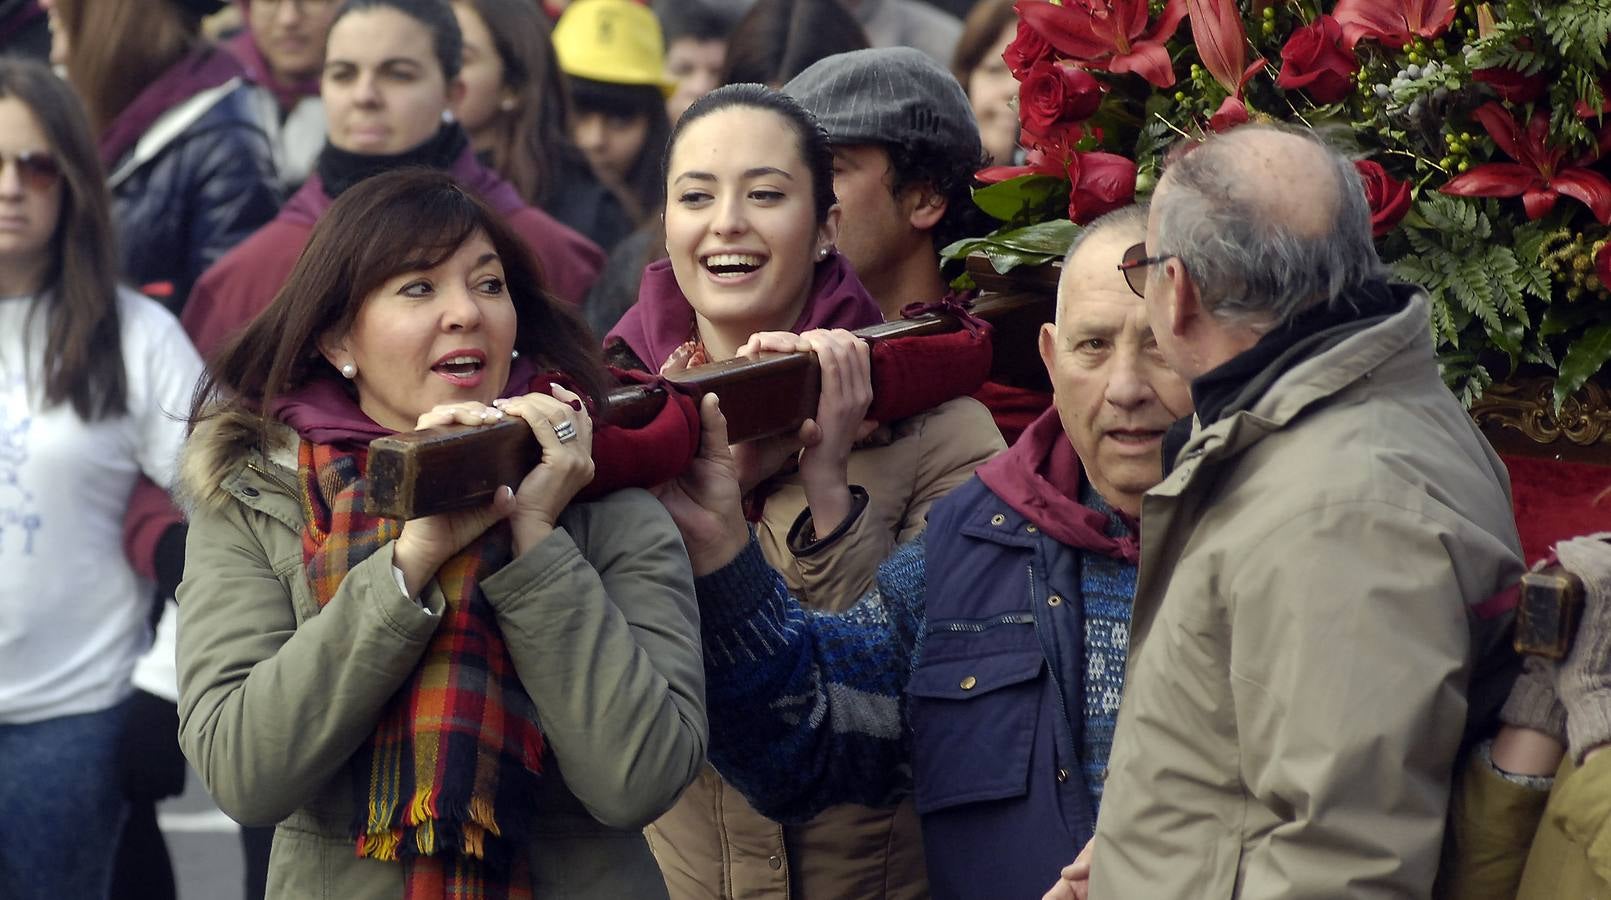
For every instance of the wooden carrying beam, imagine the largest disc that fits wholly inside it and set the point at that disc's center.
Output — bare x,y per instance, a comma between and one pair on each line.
421,473
1548,612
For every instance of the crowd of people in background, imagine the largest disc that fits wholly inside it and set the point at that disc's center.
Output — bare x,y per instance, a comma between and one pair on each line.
882,657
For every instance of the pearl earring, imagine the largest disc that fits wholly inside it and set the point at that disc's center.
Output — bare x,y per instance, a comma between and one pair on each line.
514,354
349,371
823,252
507,104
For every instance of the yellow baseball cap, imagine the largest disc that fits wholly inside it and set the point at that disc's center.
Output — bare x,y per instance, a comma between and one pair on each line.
613,41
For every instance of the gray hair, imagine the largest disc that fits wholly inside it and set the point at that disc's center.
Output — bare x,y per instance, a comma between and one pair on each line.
1133,216
1251,265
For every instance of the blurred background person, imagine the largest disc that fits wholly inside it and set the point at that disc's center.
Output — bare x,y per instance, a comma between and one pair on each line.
696,33
908,23
391,73
93,379
992,91
778,39
24,30
190,170
516,109
614,56
282,48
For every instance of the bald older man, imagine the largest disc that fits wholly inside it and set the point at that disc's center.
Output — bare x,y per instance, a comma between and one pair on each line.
983,674
1302,640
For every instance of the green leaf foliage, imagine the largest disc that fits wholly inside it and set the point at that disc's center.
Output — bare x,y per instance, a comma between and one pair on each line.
1009,248
1025,199
1579,30
1584,359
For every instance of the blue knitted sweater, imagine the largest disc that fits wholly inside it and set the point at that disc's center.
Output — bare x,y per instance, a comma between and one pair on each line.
772,667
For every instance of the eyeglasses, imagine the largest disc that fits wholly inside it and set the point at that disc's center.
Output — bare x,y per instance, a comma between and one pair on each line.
37,170
1135,265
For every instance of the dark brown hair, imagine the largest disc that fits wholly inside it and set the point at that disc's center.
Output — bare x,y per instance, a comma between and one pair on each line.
116,48
778,39
980,31
640,189
532,140
400,221
83,353
436,16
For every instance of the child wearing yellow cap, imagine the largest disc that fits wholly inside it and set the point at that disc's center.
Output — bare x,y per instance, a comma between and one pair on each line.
613,53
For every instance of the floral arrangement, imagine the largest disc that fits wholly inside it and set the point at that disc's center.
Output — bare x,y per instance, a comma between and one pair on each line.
1480,132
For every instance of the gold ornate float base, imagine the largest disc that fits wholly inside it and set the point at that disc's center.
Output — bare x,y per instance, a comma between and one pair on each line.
1519,417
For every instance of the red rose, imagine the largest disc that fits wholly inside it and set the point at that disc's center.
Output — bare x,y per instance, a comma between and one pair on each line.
1511,85
1388,197
1314,60
1052,96
1027,49
1099,183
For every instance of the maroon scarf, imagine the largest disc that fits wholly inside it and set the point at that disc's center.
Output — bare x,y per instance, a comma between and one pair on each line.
1039,477
662,320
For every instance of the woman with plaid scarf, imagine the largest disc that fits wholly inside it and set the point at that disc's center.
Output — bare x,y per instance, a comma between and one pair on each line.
484,704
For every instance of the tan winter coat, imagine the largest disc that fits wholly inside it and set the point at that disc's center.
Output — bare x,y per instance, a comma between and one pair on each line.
276,694
713,844
1300,645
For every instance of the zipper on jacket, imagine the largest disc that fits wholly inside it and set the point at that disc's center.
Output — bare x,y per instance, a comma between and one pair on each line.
277,480
975,627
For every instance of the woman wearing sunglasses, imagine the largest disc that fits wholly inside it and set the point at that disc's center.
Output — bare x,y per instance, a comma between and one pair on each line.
94,381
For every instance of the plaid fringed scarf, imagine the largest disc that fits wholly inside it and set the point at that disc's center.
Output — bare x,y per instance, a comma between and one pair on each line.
446,783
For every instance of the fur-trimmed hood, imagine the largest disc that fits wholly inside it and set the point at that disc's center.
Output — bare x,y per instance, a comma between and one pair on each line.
220,447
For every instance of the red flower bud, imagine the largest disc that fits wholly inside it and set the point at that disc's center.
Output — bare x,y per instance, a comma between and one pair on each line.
1314,60
1388,197
1053,95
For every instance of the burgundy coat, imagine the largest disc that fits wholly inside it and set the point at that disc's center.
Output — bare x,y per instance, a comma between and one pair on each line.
243,283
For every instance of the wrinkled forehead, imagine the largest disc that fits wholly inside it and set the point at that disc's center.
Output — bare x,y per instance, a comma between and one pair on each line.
1091,272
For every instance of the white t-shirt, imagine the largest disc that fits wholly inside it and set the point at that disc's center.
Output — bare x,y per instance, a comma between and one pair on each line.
73,615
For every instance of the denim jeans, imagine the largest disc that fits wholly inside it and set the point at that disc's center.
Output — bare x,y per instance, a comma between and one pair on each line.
61,806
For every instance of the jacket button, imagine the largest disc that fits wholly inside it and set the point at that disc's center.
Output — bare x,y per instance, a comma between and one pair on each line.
1054,600
249,491
998,519
775,862
1062,775
969,682
1031,529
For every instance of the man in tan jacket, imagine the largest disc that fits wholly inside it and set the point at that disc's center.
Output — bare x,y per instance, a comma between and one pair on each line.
1301,641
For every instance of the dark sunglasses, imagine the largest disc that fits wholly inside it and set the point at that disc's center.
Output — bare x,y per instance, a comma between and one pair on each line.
1135,265
37,170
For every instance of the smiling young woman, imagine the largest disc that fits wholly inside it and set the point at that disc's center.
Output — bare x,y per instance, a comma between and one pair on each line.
489,649
751,222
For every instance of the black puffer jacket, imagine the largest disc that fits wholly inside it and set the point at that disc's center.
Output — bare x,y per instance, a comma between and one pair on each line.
182,203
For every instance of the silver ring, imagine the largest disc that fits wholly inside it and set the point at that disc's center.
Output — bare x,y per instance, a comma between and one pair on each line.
565,431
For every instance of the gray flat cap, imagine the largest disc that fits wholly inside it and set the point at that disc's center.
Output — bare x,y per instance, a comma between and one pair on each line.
887,95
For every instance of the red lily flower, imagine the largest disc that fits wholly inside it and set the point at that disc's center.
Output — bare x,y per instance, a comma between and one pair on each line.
1538,175
1110,35
1216,29
1393,22
1099,182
